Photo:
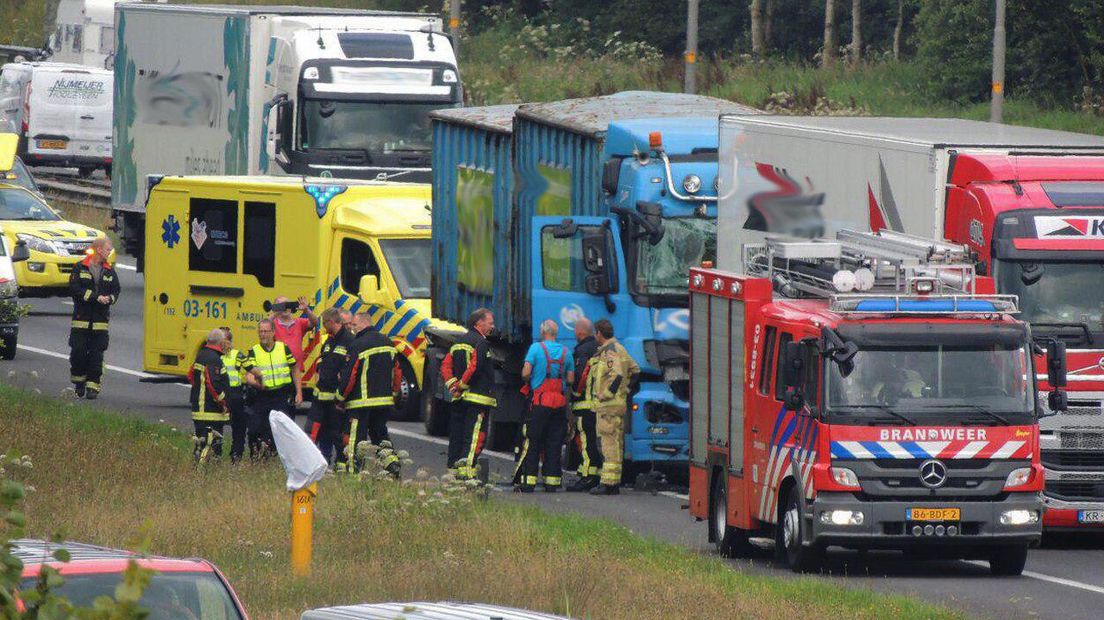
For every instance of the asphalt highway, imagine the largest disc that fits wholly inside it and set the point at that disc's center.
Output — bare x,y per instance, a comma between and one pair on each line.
1064,580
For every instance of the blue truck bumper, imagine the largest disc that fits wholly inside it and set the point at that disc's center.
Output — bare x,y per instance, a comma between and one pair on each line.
658,429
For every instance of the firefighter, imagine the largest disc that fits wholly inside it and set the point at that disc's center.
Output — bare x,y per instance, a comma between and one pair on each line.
368,381
210,412
469,377
586,437
548,371
611,372
326,422
274,377
94,285
234,361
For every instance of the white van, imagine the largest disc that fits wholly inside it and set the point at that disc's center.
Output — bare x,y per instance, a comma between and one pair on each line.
62,113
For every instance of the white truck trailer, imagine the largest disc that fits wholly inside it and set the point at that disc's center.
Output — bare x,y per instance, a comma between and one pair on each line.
240,90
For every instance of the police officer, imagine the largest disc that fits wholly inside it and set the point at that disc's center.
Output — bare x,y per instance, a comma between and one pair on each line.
274,377
234,362
368,378
611,371
94,286
210,412
586,436
469,377
326,422
548,371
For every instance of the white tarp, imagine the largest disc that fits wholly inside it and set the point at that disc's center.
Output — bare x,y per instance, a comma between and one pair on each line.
304,464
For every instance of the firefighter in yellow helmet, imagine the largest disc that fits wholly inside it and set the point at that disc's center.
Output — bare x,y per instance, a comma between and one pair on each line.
611,373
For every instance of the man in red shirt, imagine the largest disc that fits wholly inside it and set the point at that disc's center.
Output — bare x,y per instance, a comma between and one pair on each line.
289,329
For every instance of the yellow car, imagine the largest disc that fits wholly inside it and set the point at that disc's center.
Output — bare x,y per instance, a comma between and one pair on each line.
55,245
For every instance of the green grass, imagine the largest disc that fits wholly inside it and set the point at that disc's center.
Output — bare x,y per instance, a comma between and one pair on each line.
103,478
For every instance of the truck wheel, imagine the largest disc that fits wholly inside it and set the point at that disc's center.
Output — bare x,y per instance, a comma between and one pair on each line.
410,401
8,348
730,542
1008,561
790,534
434,411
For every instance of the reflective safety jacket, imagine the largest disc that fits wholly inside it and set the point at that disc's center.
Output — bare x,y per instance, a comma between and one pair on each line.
611,372
368,377
335,352
88,313
583,353
275,365
469,363
209,385
234,362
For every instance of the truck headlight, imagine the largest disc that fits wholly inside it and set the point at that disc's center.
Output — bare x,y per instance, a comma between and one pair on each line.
691,183
842,517
1018,477
845,477
1019,517
38,244
448,76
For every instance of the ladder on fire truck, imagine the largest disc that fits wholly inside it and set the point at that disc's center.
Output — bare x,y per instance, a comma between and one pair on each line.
886,272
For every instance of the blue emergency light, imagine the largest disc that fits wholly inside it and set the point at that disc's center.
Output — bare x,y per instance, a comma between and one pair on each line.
932,306
322,195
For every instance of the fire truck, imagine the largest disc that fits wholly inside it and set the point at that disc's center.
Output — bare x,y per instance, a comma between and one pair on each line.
865,392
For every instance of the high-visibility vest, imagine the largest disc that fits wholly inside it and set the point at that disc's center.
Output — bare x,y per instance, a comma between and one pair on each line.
233,371
273,365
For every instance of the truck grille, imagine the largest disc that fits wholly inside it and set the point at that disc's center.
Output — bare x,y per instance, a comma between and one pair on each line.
899,479
1080,460
1076,490
75,248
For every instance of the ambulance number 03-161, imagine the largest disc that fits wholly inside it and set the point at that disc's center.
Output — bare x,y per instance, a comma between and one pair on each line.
193,308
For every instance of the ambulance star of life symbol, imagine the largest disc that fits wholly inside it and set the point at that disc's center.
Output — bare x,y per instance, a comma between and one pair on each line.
933,474
170,231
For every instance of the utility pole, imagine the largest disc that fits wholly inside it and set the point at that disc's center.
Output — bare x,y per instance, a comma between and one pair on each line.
996,107
691,55
454,25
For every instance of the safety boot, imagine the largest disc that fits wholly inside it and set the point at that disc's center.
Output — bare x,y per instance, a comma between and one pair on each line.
92,390
605,489
584,484
79,389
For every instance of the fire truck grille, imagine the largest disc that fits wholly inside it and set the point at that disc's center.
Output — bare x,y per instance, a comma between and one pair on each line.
968,479
1080,460
1075,490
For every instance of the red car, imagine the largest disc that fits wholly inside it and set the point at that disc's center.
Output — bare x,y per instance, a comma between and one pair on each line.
181,589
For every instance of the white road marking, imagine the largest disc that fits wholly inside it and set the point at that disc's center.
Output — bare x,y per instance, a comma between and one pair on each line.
126,266
444,442
679,496
1051,579
67,302
65,356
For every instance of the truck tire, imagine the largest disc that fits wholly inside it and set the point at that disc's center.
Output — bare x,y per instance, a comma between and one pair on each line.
8,347
1008,561
409,407
730,542
434,412
790,535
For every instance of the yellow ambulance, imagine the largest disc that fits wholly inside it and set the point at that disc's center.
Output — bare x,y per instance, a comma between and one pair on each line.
220,249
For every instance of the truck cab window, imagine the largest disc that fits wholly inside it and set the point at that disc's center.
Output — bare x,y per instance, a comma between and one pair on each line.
562,260
779,389
259,252
766,360
357,261
213,235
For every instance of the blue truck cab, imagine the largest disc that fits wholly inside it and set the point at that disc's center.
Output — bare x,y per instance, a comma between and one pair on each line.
590,208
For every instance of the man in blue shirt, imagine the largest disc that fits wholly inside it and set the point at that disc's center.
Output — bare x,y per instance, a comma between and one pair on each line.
548,372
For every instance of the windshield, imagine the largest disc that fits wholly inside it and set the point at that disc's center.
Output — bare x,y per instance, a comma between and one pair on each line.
1055,292
169,596
364,125
19,204
664,268
19,175
935,384
409,260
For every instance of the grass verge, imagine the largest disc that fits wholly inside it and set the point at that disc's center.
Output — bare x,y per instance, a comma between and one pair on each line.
102,477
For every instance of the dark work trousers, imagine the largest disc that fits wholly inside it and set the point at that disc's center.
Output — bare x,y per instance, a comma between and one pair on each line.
209,444
260,431
86,356
239,424
586,443
544,439
369,423
326,426
467,433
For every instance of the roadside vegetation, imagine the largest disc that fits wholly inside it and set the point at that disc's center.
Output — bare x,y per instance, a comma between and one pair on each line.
104,478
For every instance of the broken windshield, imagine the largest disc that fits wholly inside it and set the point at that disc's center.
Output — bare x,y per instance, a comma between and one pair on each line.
664,268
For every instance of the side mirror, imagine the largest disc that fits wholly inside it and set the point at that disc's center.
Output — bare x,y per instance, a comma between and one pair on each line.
273,124
371,293
794,399
1058,401
20,253
793,362
652,220
1056,363
565,230
595,261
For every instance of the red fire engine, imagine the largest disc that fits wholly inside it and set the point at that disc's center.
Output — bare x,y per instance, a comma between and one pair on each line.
867,392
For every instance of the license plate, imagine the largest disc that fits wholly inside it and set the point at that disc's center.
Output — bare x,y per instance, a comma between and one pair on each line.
933,514
51,144
1090,516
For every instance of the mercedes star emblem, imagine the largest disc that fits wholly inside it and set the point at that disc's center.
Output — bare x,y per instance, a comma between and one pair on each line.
933,474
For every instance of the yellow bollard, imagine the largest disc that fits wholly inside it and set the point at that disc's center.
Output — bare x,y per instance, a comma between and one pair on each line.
302,529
